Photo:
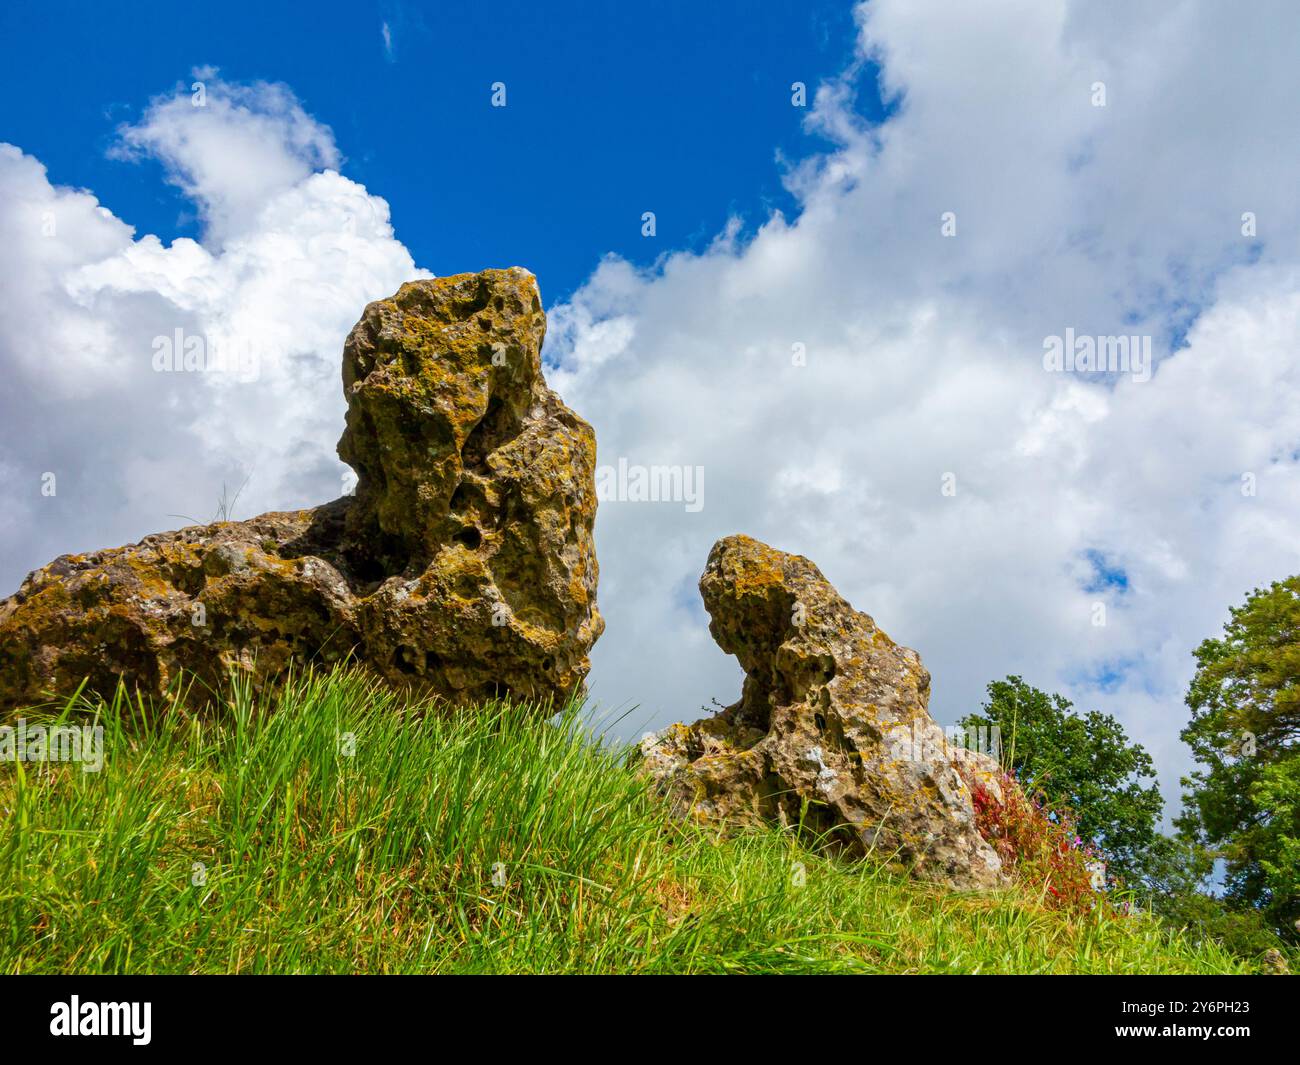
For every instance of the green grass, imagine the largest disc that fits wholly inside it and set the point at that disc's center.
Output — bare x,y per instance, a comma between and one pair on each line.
382,860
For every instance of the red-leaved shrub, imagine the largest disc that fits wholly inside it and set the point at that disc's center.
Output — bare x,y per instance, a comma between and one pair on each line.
1038,846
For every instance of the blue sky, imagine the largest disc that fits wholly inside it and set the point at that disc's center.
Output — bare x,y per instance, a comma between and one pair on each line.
612,109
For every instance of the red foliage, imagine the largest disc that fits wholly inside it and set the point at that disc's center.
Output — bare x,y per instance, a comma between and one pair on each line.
1038,846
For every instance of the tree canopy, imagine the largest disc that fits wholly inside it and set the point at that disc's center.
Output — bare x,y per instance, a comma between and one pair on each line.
1244,803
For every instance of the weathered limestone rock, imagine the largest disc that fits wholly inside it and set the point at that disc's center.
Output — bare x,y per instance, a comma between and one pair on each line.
463,566
1274,963
831,730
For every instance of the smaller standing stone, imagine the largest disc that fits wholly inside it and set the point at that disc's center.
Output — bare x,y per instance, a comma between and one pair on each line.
831,730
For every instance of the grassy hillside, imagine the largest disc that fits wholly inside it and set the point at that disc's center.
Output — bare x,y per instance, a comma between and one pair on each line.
344,833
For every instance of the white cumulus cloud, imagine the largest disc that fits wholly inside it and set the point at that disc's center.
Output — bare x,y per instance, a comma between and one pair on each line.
291,252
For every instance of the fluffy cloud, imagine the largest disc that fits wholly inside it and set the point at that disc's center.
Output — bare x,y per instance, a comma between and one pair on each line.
232,149
291,252
923,357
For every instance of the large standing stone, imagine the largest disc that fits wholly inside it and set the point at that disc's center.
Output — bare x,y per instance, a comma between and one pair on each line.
831,731
463,566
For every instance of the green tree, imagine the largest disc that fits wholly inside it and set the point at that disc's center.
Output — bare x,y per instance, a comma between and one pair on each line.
1084,762
1245,732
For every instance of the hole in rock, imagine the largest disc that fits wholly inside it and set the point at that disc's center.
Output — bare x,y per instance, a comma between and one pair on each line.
487,435
404,660
470,537
461,498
